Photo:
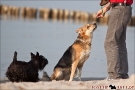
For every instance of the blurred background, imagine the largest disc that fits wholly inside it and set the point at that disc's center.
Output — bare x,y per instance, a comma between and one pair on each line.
51,37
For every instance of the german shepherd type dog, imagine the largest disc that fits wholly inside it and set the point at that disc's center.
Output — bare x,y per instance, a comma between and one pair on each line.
75,56
20,71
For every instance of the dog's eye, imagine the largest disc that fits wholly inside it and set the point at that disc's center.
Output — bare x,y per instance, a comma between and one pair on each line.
88,27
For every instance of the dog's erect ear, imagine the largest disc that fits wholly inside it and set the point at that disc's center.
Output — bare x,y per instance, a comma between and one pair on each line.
78,31
15,56
32,55
15,52
37,54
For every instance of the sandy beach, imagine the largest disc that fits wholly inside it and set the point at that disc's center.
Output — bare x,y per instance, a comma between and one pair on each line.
86,83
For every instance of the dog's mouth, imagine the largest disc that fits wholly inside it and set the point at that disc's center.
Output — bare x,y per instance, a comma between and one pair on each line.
91,26
95,26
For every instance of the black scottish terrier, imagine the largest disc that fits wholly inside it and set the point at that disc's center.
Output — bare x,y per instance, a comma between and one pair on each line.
20,71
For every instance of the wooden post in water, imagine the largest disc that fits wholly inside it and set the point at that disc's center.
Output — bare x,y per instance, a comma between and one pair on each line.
104,20
14,11
27,12
71,14
53,14
60,14
75,15
4,9
132,21
9,10
92,18
44,13
84,17
56,14
66,14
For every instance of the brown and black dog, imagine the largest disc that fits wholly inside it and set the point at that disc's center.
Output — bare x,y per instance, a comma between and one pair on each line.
75,56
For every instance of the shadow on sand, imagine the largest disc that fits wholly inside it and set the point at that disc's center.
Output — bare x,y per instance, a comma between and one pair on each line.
90,78
75,79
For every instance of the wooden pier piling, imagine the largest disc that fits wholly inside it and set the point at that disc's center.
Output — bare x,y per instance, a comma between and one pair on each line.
55,14
9,10
132,21
27,12
104,20
60,14
15,11
65,14
92,18
84,17
44,13
4,9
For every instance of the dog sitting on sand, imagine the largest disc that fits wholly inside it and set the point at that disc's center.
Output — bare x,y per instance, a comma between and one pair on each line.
75,56
20,71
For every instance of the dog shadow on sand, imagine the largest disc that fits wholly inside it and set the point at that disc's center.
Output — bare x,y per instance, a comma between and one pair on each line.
90,78
75,79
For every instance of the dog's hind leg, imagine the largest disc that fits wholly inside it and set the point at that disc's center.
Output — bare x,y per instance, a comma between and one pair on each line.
79,73
57,75
80,65
15,56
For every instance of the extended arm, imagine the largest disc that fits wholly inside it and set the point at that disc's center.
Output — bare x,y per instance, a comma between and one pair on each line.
102,11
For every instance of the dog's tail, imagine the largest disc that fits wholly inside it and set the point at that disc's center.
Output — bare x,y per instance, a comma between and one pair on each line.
15,56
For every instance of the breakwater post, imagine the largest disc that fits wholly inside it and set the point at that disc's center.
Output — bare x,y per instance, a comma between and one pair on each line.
55,14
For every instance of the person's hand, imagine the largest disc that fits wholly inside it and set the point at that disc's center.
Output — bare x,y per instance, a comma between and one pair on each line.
100,13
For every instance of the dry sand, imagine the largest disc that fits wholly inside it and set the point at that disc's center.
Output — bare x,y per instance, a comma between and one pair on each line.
86,83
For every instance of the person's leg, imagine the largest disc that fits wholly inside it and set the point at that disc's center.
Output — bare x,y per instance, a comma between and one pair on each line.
122,43
111,43
123,56
112,46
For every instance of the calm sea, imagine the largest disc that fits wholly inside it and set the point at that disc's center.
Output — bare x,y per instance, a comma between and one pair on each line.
52,38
